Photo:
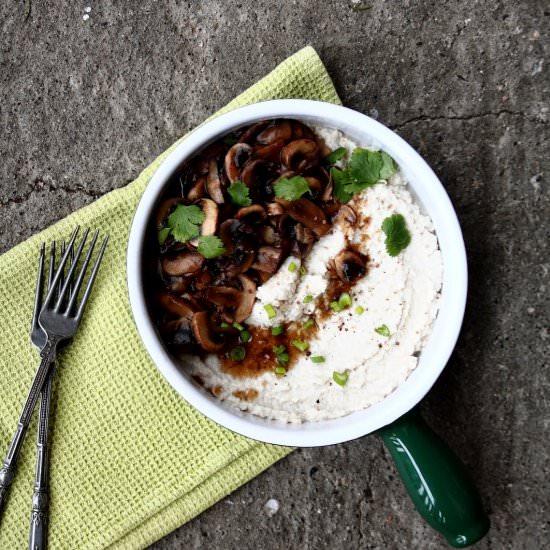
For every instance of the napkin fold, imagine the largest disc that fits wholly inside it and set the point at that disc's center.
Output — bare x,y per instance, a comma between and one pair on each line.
130,459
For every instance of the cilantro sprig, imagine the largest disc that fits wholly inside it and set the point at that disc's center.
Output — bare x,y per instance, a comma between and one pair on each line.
398,236
210,246
365,169
184,223
291,188
238,192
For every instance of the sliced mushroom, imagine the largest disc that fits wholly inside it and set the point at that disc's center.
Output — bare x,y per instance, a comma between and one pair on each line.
300,130
248,295
202,280
184,263
176,305
254,212
268,259
314,184
234,234
304,234
346,214
223,296
310,215
270,152
197,190
250,171
250,133
300,154
279,131
327,192
269,235
275,209
213,182
204,335
349,265
165,209
240,261
235,159
176,284
210,223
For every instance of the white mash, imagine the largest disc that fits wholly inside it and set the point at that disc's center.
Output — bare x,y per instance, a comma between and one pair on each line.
400,292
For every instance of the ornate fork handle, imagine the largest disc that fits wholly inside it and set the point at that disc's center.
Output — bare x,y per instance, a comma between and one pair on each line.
40,498
7,471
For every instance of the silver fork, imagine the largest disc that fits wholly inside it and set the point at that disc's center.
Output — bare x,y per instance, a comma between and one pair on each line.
40,498
59,318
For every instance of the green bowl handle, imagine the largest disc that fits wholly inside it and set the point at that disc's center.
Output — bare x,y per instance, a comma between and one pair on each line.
436,480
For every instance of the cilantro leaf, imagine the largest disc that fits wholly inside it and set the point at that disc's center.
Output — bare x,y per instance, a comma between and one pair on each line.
335,156
163,235
340,180
291,188
397,234
383,330
238,192
389,166
185,221
364,168
210,246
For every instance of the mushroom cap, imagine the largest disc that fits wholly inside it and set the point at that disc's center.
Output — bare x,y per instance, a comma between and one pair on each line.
310,215
184,263
176,305
279,131
203,333
235,159
300,154
349,265
248,296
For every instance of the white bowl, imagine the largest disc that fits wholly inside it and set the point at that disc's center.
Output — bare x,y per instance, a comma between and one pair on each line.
430,194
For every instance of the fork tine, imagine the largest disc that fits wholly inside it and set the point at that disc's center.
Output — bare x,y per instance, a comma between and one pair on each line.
39,287
92,278
62,274
63,261
81,275
67,280
51,269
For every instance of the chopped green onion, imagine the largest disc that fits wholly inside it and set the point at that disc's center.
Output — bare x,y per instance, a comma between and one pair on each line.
335,306
277,331
238,326
277,350
340,378
308,324
318,359
271,311
224,325
281,355
308,299
359,310
344,300
280,370
383,330
292,267
245,336
300,344
303,270
237,354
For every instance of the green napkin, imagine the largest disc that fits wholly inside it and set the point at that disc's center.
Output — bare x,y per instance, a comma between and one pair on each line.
130,459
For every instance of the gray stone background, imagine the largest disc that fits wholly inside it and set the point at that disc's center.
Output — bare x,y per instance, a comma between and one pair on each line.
86,103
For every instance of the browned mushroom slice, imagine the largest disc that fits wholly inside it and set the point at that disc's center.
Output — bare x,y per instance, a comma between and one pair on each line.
310,215
253,212
269,235
202,280
234,233
250,133
240,261
314,184
349,265
270,152
176,305
176,284
300,154
197,190
300,130
204,335
235,159
327,192
183,263
275,209
268,259
251,170
214,183
248,295
279,131
210,223
223,296
346,214
179,334
165,209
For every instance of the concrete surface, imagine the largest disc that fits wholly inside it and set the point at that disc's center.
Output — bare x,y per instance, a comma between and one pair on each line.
86,103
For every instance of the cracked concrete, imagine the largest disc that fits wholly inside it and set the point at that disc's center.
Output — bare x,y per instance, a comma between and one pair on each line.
86,104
